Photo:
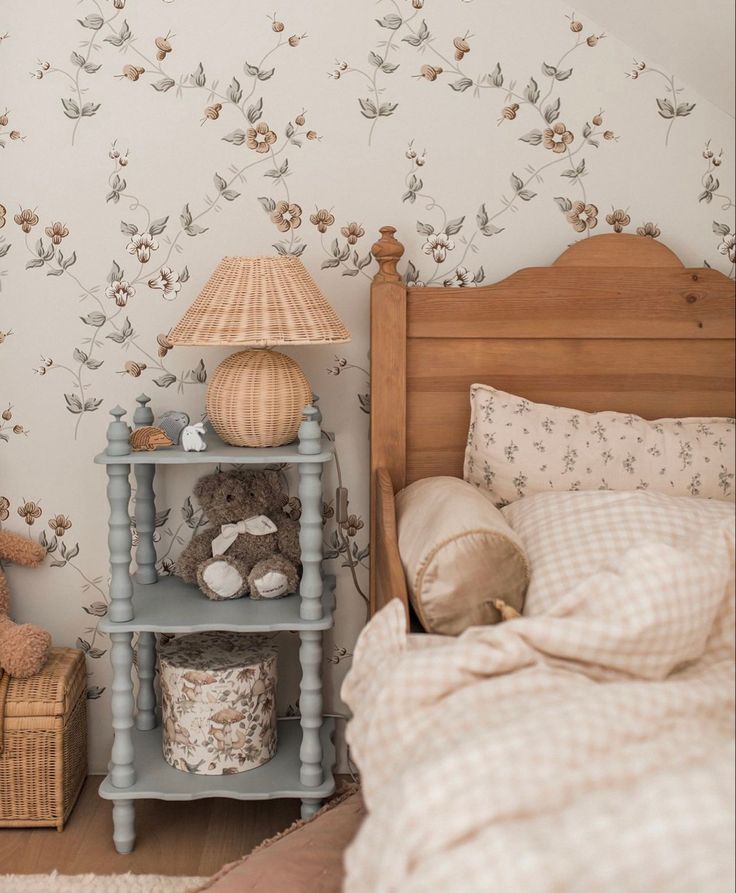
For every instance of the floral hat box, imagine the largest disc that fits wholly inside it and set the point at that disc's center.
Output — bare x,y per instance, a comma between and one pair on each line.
218,702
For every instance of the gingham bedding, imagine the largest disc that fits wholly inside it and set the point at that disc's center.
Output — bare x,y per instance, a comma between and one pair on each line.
586,748
569,536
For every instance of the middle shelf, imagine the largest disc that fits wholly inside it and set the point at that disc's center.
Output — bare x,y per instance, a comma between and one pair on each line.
173,606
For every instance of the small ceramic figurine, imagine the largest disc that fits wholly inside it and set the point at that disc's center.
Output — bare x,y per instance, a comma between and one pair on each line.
173,423
149,438
192,438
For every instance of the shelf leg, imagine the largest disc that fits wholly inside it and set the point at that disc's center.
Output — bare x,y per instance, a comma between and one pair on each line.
310,704
145,718
310,540
145,524
310,530
122,773
120,542
145,503
309,807
123,823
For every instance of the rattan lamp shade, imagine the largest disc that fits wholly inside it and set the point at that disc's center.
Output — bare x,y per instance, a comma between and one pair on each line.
259,302
256,397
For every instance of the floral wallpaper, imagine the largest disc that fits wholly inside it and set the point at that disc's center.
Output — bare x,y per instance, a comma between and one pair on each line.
141,141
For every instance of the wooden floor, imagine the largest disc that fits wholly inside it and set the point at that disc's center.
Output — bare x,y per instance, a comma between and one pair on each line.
172,838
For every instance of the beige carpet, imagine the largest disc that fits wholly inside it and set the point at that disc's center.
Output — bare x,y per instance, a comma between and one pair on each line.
94,883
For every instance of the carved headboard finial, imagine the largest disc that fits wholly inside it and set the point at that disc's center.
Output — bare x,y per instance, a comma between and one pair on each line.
388,252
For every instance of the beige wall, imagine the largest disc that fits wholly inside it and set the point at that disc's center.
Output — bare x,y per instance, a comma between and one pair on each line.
694,40
476,172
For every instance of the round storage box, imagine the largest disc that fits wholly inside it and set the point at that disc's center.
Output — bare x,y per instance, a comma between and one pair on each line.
218,702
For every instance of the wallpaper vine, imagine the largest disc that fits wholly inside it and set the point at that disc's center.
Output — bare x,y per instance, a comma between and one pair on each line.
140,142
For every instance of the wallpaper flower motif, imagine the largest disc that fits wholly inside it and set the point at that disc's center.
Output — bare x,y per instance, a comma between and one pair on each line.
143,139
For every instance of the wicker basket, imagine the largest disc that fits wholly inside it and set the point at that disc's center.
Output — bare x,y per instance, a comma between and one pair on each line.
44,759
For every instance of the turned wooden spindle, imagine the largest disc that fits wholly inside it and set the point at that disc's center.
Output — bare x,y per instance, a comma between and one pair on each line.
310,590
122,771
123,819
310,706
145,503
119,539
145,556
388,251
310,523
388,376
145,718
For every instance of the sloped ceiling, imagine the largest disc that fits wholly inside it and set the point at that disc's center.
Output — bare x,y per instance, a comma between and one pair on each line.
694,41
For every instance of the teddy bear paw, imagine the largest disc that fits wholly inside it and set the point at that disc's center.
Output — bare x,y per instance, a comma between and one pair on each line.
270,585
223,580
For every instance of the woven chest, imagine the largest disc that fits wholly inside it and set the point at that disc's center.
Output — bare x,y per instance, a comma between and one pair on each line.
43,762
218,702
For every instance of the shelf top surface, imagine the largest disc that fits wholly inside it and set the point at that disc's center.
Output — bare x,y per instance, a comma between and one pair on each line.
219,452
176,607
279,777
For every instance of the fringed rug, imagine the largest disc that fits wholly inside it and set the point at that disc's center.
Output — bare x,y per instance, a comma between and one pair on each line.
97,883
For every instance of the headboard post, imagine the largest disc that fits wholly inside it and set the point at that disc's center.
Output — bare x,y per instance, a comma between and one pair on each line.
388,369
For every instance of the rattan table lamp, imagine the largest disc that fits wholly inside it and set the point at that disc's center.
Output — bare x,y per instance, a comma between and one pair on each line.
256,397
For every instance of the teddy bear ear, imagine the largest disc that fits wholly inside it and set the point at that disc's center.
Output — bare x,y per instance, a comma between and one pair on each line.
206,486
275,482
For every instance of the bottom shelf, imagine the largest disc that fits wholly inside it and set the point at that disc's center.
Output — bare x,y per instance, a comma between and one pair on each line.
276,779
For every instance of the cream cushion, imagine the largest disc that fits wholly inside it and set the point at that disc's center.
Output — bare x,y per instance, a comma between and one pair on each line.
571,537
459,555
517,448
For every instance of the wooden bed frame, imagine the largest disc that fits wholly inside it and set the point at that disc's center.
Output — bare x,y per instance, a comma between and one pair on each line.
616,323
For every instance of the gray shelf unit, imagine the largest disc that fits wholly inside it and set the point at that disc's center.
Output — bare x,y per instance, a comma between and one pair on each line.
143,604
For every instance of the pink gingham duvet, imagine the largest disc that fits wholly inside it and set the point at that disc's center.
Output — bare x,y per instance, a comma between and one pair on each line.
588,748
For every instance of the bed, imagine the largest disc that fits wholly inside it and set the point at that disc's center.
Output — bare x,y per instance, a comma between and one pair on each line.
617,322
587,745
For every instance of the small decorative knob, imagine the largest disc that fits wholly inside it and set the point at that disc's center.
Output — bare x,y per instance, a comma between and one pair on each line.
117,434
310,432
315,406
388,251
143,414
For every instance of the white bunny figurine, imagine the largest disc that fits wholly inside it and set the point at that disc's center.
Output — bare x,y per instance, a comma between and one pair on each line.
192,438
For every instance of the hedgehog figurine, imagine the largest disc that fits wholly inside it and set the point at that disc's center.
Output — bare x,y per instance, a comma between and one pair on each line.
149,438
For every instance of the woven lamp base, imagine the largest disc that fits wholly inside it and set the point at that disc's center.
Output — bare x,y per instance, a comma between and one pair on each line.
256,399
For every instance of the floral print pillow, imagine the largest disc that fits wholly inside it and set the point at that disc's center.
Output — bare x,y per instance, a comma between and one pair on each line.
516,448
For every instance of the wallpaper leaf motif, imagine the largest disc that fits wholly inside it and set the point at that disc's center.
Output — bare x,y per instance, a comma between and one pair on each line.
711,185
672,106
83,65
417,34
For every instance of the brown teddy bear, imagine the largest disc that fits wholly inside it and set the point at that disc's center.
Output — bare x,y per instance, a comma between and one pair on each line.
252,547
23,648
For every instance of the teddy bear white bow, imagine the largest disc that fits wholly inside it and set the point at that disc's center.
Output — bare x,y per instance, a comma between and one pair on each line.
258,525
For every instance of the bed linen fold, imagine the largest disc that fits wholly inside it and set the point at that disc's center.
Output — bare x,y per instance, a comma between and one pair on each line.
588,748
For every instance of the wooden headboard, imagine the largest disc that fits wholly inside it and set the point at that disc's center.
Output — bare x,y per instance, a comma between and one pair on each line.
616,323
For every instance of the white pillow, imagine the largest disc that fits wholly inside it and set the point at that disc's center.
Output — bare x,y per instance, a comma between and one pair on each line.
517,448
459,555
570,537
